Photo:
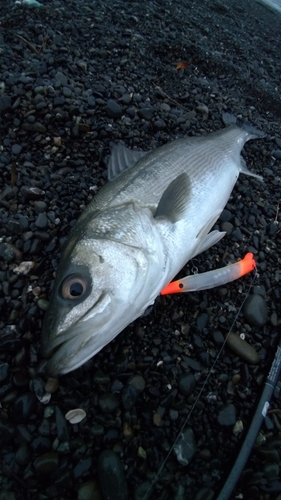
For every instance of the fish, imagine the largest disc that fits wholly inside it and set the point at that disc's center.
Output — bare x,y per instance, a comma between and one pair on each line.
155,213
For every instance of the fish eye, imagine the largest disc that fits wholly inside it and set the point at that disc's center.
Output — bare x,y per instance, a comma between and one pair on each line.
74,287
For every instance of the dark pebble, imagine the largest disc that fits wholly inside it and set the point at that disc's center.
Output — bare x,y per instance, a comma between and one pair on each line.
146,113
186,383
41,221
111,476
23,407
61,423
129,396
16,149
255,310
114,109
4,371
46,463
185,447
5,103
108,402
227,415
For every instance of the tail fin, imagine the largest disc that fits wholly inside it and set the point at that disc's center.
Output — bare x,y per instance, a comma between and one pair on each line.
230,119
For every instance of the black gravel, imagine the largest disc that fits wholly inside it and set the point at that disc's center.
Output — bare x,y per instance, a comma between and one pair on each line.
75,76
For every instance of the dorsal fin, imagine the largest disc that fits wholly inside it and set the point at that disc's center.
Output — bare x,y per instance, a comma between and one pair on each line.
122,158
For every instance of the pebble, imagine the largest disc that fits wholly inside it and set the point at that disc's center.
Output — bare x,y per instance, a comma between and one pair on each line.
186,383
227,415
185,447
46,463
255,310
89,491
24,406
111,476
41,221
242,349
114,109
129,396
108,402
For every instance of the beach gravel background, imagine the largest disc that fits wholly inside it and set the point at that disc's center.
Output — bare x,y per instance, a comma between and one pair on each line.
75,76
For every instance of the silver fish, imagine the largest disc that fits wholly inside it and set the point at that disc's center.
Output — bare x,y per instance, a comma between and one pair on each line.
143,226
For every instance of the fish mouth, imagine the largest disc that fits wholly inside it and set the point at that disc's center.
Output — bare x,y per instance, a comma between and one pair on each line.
75,345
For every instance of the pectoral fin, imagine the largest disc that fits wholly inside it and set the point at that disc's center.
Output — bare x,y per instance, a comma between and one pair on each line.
175,199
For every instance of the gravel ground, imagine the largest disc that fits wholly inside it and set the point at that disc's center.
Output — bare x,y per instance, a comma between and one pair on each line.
75,76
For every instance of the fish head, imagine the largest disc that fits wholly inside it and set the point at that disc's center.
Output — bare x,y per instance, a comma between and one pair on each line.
95,296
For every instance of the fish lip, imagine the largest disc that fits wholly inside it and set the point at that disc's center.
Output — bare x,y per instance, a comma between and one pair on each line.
50,345
57,364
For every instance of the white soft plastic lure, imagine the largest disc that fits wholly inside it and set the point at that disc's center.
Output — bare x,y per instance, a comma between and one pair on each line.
154,215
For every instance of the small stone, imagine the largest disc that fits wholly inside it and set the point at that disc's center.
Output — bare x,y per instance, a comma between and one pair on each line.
227,415
202,109
141,453
129,396
138,382
185,447
46,463
24,267
186,383
255,310
89,491
114,109
111,476
41,221
16,149
157,420
242,349
271,471
146,113
43,304
4,371
108,402
51,385
238,428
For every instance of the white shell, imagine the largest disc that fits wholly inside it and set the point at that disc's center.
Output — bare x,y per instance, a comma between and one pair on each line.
75,416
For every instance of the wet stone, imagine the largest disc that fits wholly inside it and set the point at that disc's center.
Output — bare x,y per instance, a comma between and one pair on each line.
227,415
108,402
61,423
89,491
146,113
111,476
41,221
114,109
255,310
186,383
46,463
23,407
271,470
4,371
185,447
138,382
101,378
23,455
82,467
242,349
14,227
16,149
129,396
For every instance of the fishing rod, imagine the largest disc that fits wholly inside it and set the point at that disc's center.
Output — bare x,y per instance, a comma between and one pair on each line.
254,428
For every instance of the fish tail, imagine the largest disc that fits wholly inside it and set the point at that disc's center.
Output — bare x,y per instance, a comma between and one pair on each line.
254,133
